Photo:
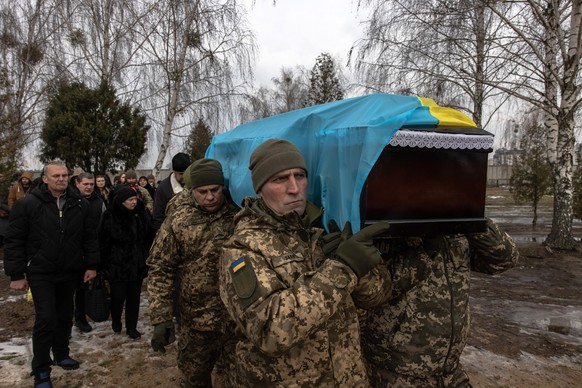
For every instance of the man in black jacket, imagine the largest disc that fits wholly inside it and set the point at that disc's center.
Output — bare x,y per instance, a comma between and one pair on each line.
169,187
49,243
85,184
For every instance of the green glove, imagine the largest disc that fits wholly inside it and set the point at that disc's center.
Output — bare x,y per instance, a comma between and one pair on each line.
164,334
333,239
359,252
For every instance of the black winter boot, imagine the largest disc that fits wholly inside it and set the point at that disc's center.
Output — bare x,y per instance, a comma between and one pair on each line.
83,325
43,379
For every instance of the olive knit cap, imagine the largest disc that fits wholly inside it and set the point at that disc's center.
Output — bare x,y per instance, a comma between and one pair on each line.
205,172
186,179
273,156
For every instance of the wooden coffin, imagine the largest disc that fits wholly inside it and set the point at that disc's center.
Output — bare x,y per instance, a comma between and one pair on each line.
430,182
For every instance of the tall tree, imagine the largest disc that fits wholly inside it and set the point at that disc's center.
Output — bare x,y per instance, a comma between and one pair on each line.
577,200
324,82
291,89
92,129
100,41
27,31
439,49
177,60
199,140
196,52
288,92
531,176
256,106
545,47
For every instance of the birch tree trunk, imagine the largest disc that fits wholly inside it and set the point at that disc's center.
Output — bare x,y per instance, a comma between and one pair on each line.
200,47
547,50
175,76
561,236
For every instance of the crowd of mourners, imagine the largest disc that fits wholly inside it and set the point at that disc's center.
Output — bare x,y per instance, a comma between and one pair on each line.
256,294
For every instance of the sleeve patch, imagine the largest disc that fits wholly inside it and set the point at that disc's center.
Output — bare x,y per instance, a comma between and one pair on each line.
244,281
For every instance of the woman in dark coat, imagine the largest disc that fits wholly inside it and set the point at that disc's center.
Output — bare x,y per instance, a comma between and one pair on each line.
125,237
103,186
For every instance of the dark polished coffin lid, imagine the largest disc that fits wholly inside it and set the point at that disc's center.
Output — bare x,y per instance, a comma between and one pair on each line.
430,182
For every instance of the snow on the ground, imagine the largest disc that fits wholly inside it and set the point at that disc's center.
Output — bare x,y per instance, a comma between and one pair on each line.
16,355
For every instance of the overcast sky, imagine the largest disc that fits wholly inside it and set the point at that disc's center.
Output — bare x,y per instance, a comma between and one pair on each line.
295,32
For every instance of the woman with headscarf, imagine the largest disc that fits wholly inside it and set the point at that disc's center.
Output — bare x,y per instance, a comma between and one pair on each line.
125,237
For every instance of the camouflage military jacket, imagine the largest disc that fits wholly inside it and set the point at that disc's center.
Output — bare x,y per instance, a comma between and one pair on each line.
183,197
145,196
418,336
188,245
293,306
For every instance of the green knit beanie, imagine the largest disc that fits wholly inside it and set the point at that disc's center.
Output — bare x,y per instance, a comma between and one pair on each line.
186,179
273,156
205,172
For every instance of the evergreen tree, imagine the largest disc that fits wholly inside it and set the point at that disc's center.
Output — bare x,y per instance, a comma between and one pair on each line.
531,178
92,129
199,140
324,82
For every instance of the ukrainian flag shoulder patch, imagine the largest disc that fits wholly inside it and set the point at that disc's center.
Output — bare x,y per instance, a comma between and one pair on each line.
244,281
238,265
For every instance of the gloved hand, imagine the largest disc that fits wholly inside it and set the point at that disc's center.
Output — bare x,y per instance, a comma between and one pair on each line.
333,239
164,334
358,252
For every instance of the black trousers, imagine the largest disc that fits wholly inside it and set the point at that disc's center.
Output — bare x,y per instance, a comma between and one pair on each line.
53,306
80,299
127,293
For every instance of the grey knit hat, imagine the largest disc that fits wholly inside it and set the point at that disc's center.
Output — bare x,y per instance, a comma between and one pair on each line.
130,174
204,172
273,156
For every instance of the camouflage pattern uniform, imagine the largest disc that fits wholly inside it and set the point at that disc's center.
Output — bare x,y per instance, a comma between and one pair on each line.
183,197
295,309
416,339
145,196
188,245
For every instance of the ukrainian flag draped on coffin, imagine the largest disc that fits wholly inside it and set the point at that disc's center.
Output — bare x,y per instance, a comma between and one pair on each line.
340,141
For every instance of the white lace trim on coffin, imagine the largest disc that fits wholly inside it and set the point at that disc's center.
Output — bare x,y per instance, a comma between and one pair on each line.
418,139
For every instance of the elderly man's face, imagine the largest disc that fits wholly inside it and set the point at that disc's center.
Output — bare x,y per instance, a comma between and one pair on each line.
56,178
286,191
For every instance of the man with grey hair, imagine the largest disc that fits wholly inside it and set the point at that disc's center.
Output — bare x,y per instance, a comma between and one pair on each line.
50,244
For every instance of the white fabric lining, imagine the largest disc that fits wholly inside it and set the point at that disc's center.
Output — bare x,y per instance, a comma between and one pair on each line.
418,139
